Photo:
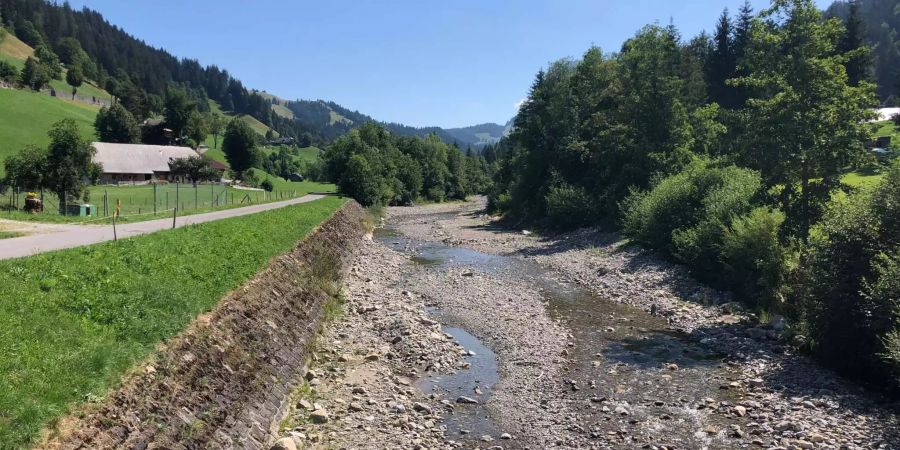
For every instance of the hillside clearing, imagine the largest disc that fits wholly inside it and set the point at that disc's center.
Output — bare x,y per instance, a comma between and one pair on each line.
74,321
25,118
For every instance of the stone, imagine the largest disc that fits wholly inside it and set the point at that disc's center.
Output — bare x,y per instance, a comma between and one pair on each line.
422,408
285,443
506,436
305,404
740,411
466,400
355,407
319,416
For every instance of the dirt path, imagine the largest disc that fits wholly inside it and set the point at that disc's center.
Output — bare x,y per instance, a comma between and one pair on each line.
462,334
49,237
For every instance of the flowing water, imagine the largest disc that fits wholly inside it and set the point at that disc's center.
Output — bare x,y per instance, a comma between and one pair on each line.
629,374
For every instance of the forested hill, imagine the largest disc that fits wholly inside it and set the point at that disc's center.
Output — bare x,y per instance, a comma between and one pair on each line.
877,22
332,121
139,75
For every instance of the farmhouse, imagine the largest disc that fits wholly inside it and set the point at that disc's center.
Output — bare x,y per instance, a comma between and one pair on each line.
137,163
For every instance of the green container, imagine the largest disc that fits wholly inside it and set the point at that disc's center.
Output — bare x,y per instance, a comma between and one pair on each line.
82,210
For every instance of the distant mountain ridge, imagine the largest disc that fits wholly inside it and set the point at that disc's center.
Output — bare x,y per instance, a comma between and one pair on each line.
331,120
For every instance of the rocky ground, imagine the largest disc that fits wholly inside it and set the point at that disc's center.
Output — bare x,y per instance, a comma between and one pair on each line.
597,346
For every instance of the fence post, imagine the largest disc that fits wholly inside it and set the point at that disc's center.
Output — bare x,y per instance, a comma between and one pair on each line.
212,193
154,199
115,237
176,195
174,215
195,196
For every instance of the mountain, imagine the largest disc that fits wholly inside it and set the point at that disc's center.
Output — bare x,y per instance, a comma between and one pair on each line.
480,135
139,74
331,120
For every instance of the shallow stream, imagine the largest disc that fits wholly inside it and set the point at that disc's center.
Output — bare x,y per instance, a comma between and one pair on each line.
628,373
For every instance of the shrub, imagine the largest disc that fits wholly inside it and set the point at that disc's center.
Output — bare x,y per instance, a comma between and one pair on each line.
568,207
850,283
267,185
8,72
684,210
753,259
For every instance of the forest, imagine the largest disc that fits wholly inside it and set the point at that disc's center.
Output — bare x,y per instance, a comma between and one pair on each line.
727,153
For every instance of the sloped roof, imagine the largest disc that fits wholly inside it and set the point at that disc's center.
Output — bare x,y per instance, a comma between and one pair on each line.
138,158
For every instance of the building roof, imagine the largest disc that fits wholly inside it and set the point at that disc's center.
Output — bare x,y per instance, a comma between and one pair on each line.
215,164
137,158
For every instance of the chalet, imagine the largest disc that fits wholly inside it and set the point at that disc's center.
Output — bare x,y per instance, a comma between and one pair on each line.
137,163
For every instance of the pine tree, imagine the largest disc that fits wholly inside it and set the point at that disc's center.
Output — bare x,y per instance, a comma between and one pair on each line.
721,64
853,44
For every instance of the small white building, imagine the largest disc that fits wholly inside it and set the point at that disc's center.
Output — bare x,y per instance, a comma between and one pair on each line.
137,163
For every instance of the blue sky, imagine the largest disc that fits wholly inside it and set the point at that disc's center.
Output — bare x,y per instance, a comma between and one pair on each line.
418,62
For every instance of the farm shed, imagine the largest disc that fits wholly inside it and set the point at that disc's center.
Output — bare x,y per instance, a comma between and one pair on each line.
137,163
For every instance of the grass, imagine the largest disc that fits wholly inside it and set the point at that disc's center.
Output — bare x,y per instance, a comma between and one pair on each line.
10,234
887,128
284,185
25,118
137,201
73,321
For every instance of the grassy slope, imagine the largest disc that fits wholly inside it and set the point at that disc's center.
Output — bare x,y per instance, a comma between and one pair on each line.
15,52
25,118
73,321
284,185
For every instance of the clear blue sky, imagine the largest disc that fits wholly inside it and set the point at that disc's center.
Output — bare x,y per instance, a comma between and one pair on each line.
418,62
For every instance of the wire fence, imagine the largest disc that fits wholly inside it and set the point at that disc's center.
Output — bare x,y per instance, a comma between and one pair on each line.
144,200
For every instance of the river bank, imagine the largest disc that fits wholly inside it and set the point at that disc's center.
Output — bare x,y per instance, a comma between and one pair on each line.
593,344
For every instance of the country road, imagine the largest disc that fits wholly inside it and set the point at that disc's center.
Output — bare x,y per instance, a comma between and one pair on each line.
460,333
58,237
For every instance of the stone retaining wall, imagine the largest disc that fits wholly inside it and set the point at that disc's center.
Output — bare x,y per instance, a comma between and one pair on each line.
222,383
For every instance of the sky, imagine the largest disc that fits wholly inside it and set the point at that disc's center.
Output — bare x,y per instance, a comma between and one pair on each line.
417,62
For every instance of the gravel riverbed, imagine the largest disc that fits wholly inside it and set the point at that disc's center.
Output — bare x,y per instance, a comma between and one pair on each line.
593,344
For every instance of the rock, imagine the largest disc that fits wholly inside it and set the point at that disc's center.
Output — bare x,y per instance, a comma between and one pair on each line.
355,407
621,410
487,438
466,400
506,436
305,404
740,411
285,443
319,416
779,323
422,408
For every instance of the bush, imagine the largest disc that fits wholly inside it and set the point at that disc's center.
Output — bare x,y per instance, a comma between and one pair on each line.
683,211
267,185
568,207
850,284
704,217
8,72
754,261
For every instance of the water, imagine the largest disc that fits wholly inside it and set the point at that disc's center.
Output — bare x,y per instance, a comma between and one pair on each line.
617,352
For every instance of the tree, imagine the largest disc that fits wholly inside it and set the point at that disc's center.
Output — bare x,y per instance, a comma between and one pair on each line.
178,110
808,122
49,60
721,64
8,72
194,168
26,169
34,75
853,46
239,146
75,78
216,125
69,163
116,124
196,128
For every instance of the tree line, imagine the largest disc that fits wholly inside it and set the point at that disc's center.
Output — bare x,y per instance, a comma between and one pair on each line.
377,167
726,153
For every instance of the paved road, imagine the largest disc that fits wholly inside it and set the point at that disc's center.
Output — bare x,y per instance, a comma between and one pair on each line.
78,235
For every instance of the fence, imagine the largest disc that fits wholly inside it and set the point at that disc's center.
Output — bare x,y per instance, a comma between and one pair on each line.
150,199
